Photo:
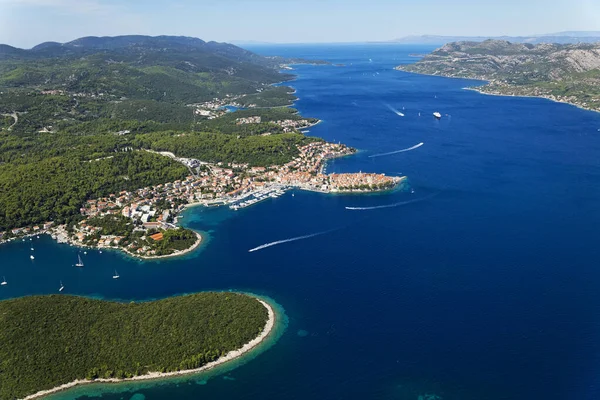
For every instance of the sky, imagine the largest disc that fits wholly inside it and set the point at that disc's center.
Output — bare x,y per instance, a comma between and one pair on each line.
25,23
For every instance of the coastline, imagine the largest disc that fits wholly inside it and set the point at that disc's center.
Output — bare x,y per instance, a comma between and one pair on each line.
480,90
177,253
232,355
545,97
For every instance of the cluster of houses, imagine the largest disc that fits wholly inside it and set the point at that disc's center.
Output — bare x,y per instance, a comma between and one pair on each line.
248,120
288,125
33,230
225,183
214,108
157,207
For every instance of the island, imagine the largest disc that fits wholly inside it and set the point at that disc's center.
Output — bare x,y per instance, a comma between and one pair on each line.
104,141
52,343
568,73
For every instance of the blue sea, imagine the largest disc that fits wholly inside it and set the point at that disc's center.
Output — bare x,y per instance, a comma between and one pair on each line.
481,281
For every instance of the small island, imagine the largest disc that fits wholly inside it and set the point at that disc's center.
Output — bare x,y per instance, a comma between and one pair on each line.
52,343
567,73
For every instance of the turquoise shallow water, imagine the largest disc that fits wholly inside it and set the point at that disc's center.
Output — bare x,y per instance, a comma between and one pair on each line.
487,290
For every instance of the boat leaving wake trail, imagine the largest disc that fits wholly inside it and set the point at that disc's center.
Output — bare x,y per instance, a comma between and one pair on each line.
398,113
401,203
398,151
264,246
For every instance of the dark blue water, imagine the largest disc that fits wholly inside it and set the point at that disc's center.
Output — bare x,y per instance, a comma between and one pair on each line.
487,290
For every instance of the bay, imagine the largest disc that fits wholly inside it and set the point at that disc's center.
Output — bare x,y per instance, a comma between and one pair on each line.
482,284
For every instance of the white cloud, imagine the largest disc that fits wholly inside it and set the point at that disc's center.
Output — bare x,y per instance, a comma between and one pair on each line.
69,6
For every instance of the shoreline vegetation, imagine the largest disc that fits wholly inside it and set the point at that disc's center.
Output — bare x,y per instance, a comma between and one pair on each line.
561,73
488,91
120,180
143,224
233,354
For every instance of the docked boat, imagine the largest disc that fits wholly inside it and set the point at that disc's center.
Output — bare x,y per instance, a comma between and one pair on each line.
437,115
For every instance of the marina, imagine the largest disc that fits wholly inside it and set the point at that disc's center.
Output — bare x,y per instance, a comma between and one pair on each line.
258,196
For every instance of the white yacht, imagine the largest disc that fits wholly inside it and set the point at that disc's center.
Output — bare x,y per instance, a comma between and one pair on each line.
3,283
62,287
32,257
437,115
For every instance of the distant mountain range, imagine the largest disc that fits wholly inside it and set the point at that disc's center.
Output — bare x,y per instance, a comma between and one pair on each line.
137,45
560,37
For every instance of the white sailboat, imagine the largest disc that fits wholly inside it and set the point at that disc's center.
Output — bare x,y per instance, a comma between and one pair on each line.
62,287
116,275
4,283
80,262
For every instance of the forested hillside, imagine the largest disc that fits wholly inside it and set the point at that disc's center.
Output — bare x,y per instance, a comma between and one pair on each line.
76,117
52,340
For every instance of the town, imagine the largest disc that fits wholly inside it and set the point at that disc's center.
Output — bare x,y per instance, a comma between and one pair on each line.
147,216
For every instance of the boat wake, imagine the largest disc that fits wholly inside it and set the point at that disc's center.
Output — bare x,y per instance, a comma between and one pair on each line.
264,246
394,110
401,203
397,151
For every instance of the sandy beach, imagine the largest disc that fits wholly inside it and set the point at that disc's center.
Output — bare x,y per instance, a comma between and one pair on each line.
159,375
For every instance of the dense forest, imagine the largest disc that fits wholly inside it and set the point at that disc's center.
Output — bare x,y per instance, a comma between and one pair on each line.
55,188
270,97
214,147
51,340
76,117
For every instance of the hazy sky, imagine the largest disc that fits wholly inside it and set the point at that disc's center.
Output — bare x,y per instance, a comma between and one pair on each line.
25,23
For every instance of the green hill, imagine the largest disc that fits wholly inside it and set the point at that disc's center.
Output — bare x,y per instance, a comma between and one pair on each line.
48,341
75,117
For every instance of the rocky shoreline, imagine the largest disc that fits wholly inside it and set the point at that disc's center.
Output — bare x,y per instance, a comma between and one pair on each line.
567,73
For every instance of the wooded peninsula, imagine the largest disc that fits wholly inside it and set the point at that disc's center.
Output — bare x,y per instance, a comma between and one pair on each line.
49,341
